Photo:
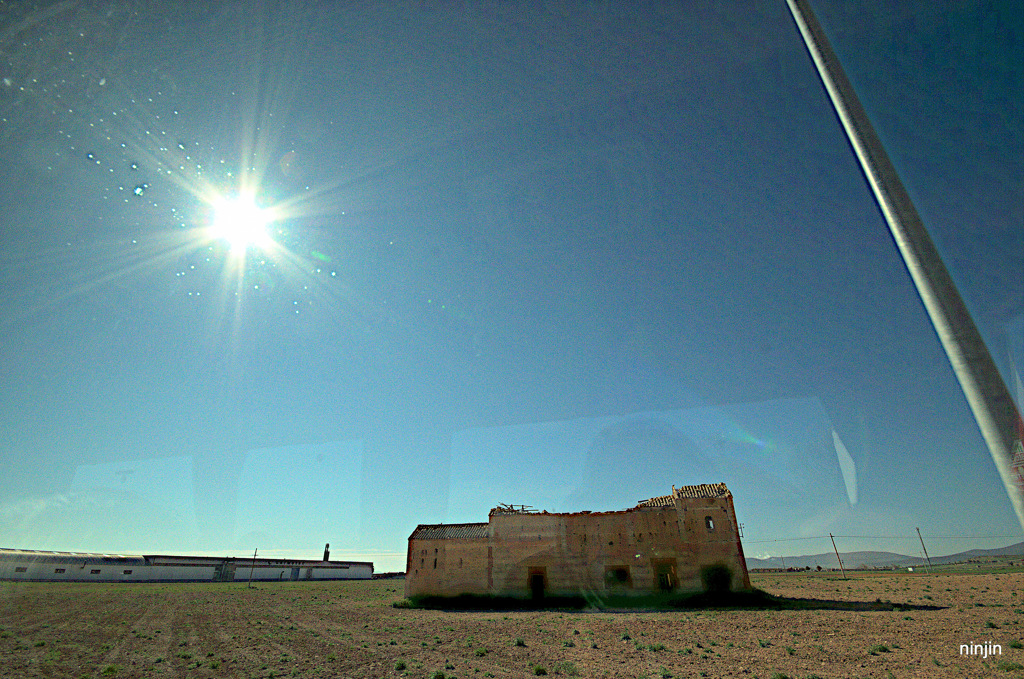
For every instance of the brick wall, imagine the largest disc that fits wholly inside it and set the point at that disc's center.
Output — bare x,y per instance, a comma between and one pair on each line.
635,551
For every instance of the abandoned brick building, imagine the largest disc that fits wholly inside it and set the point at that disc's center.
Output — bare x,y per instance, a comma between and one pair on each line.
662,544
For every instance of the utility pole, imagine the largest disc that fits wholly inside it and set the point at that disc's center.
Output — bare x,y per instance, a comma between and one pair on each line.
926,557
838,558
252,568
994,409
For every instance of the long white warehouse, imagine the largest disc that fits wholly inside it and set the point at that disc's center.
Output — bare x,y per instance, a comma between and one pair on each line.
26,564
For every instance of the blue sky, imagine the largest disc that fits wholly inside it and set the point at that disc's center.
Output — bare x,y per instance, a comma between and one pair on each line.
557,254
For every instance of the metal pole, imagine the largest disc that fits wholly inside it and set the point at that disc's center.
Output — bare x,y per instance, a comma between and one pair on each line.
252,568
837,556
990,401
926,557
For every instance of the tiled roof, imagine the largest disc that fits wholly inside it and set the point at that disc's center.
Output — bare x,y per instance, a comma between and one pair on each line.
703,490
449,531
660,501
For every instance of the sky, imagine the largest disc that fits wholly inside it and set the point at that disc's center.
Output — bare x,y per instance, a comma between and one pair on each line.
561,254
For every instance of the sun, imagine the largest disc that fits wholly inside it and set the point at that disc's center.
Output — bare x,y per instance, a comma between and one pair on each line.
240,222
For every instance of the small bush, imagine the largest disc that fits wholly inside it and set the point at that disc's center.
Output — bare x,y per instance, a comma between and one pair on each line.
569,644
656,647
400,665
878,648
1016,644
991,625
438,674
1007,666
110,670
480,652
625,636
518,642
539,670
40,644
567,668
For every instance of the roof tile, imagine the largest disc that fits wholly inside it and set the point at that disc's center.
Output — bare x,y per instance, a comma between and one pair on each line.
449,531
703,490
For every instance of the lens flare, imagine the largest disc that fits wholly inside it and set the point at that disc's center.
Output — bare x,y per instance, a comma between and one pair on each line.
240,222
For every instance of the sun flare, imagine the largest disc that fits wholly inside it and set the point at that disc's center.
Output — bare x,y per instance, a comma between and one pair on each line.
240,222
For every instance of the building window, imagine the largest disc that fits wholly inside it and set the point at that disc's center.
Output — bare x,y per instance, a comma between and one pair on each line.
94,571
58,570
710,523
127,572
20,569
617,576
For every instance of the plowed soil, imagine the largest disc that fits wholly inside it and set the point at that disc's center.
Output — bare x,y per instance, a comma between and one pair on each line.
834,628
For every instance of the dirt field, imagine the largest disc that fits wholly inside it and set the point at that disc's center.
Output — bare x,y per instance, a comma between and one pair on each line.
351,630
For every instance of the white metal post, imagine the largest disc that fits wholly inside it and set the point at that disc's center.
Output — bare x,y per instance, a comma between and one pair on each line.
990,401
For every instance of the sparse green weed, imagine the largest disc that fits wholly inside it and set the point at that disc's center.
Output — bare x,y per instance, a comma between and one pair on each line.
565,667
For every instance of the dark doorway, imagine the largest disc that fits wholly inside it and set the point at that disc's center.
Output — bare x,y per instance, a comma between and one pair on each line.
665,574
537,579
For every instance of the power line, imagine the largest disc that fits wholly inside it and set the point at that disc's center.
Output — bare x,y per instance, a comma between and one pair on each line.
888,537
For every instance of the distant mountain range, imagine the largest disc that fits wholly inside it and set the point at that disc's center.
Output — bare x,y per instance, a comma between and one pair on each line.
878,559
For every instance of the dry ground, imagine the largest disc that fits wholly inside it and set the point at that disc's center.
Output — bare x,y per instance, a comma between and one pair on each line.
350,629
